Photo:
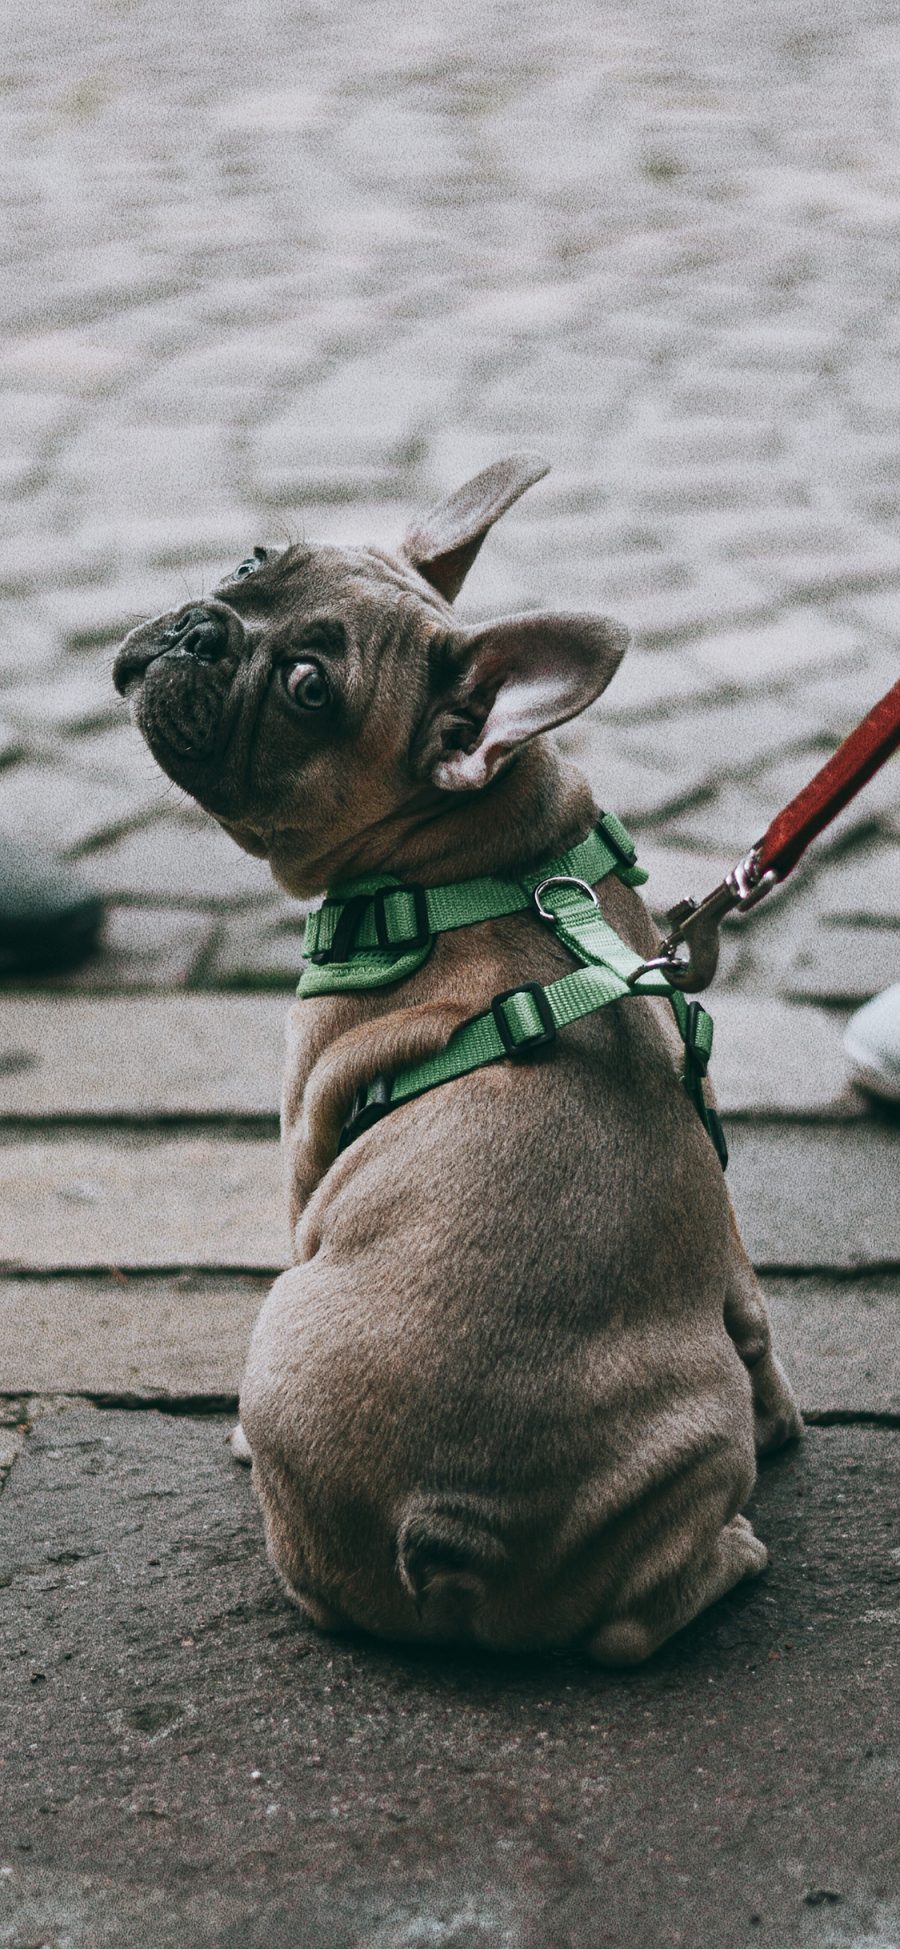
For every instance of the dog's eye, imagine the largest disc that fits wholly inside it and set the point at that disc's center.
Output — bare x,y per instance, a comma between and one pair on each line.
306,686
252,563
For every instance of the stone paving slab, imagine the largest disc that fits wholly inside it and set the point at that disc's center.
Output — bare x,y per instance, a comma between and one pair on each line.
183,861
75,702
643,791
737,813
840,1342
62,810
807,1197
143,948
146,1057
127,1339
133,1200
186,1761
862,886
221,1055
772,1058
844,963
841,698
12,1441
819,1198
800,642
184,1338
10,743
261,948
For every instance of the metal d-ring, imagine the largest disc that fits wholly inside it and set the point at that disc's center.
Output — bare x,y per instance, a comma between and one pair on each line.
560,880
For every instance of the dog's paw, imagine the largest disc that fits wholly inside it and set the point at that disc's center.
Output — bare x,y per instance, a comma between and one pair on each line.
751,1555
239,1445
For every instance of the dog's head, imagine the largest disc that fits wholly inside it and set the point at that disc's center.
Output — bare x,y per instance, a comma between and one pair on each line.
322,693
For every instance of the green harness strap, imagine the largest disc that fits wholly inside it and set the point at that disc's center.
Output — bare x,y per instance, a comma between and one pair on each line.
378,931
374,932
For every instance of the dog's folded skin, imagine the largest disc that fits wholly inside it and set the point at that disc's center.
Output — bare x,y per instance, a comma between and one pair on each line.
511,1389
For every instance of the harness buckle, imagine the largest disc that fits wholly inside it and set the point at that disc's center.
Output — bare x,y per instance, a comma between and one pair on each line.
363,1113
524,1045
345,933
421,934
351,916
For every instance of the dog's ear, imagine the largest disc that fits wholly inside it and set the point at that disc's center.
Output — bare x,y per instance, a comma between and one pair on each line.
495,688
444,544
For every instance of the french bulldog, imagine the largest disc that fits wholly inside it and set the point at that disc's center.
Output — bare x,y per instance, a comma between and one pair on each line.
511,1388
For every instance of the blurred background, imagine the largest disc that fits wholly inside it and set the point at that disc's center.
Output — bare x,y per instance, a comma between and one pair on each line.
278,269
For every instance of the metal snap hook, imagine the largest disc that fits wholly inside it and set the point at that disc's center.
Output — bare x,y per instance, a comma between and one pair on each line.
560,880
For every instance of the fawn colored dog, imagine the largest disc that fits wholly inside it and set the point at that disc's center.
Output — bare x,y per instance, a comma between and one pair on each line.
511,1388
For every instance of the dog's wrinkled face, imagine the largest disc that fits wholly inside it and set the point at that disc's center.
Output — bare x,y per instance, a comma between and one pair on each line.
290,692
322,692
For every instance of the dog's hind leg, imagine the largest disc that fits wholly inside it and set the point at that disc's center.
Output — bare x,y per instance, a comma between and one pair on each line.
239,1445
737,1554
776,1416
284,1542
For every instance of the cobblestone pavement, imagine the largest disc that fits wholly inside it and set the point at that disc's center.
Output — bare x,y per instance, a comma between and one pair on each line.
301,267
280,268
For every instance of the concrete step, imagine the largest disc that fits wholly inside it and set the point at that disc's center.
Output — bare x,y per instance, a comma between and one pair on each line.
191,1763
142,1056
221,1055
128,1338
149,1338
807,1197
131,1200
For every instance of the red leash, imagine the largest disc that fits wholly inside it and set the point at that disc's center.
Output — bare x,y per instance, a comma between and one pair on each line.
853,764
783,843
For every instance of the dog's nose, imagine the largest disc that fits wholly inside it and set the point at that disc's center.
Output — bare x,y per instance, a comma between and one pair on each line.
199,632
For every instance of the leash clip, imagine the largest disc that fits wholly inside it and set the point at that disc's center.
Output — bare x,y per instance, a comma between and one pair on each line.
747,883
783,843
696,925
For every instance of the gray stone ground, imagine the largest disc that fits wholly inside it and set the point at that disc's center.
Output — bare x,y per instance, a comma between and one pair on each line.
202,1770
280,268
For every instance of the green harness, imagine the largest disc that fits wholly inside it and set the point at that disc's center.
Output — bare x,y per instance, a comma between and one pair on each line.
378,931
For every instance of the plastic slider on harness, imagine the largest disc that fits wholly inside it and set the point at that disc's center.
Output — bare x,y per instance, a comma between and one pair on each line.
386,933
617,838
348,926
371,1102
386,905
696,1044
532,1039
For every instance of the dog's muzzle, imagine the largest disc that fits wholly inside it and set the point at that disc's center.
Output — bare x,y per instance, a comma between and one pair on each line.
179,677
200,633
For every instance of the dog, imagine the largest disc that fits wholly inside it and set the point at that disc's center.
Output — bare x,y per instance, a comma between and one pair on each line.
511,1389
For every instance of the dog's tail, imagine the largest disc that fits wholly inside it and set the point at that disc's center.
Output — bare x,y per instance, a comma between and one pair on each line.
449,1556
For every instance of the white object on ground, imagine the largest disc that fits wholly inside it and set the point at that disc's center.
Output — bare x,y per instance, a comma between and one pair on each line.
872,1042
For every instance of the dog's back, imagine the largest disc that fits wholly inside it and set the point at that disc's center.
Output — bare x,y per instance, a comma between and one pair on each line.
495,1399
